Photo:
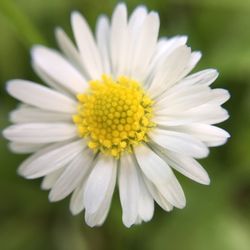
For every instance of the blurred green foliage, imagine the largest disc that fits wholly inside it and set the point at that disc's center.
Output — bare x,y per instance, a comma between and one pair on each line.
217,217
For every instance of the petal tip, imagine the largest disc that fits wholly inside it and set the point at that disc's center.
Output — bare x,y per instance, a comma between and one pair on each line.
5,133
10,85
203,178
58,31
182,203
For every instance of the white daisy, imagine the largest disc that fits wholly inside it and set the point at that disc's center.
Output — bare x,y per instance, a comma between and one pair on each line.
117,104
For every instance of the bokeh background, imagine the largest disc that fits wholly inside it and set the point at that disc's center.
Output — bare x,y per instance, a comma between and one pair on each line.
216,217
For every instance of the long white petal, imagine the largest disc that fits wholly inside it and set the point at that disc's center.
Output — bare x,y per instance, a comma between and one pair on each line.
128,190
205,113
118,39
136,18
87,46
134,27
68,48
194,59
72,176
191,84
40,132
204,77
29,114
145,200
50,179
184,164
179,92
76,200
171,71
59,69
49,159
161,201
98,182
40,96
189,99
188,167
25,148
211,135
161,175
98,217
50,81
144,46
208,113
179,142
103,40
220,96
163,49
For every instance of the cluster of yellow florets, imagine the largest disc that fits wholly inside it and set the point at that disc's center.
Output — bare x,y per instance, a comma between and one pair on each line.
114,115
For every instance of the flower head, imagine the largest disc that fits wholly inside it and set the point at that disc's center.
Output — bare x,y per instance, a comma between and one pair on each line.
120,105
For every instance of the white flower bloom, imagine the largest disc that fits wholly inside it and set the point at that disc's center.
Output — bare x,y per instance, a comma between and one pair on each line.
119,105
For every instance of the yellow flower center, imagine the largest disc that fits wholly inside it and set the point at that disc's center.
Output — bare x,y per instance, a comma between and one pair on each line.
114,115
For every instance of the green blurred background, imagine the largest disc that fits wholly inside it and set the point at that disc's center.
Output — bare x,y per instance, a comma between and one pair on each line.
217,216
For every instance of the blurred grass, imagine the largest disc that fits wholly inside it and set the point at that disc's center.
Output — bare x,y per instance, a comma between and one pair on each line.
20,23
216,217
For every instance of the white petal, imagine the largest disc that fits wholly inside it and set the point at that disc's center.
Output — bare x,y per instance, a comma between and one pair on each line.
183,99
182,90
194,59
76,201
128,190
134,27
190,97
118,39
68,48
103,40
49,159
87,47
138,220
50,179
48,80
98,217
40,132
220,96
144,46
171,71
194,84
191,84
59,69
161,201
161,175
24,148
145,200
204,77
98,183
206,113
40,96
211,135
77,169
29,114
136,19
167,46
163,49
179,142
187,166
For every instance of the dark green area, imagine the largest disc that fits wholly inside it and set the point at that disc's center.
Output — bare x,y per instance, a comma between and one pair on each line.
217,217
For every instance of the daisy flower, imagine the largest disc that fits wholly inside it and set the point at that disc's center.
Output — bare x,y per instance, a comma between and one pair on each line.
120,107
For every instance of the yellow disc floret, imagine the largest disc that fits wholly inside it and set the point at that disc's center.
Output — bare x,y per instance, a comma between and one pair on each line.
114,115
